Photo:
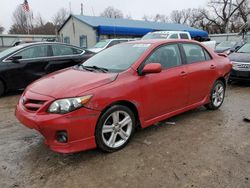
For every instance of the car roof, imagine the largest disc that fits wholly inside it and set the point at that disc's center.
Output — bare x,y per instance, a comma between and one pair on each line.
162,41
40,43
169,32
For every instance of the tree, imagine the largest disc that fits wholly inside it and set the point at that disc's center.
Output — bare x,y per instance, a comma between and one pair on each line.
1,29
111,12
180,16
156,18
22,21
218,13
60,17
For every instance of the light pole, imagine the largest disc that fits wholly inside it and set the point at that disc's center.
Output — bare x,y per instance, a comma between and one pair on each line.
229,13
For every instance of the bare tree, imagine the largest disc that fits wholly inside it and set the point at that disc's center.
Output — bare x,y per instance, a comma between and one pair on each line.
1,29
180,16
161,18
22,21
111,12
60,17
243,11
156,18
218,13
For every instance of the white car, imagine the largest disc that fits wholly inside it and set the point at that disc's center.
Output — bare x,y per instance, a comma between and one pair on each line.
167,35
103,44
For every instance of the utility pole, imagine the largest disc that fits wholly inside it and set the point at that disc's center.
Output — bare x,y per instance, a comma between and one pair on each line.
81,8
229,13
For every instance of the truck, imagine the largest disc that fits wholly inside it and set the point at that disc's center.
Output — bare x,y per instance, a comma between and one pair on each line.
178,35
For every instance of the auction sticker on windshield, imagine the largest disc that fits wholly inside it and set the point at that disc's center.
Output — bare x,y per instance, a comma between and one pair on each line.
141,45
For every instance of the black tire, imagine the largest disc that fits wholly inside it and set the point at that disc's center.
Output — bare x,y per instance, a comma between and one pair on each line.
212,105
100,136
2,88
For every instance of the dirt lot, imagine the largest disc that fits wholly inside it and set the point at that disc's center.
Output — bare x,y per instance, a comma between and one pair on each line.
204,149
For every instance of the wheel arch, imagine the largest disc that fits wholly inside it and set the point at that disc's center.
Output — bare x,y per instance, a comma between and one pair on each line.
128,104
223,80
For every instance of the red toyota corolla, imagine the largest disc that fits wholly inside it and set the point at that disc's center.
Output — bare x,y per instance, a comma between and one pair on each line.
101,102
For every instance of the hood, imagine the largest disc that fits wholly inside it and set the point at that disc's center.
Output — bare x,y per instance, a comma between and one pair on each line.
70,83
95,50
221,50
240,57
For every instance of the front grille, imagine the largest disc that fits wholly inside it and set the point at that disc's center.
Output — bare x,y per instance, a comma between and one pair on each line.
241,66
32,104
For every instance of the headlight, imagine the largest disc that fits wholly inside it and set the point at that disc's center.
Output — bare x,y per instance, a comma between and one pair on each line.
64,106
234,65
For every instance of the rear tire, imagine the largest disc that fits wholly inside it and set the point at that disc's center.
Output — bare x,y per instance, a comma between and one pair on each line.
2,88
217,96
115,128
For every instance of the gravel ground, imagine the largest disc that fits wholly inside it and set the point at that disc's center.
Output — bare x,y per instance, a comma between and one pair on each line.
203,149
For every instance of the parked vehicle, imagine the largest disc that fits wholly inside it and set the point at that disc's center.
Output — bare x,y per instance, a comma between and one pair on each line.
241,63
177,35
228,47
104,44
167,35
101,102
22,64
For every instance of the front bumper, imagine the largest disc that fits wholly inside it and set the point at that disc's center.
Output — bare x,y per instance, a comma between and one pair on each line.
239,75
79,125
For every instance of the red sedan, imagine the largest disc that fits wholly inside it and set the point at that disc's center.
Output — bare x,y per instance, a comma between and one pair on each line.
101,102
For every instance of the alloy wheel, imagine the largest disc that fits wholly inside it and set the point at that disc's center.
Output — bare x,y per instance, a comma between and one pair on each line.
117,129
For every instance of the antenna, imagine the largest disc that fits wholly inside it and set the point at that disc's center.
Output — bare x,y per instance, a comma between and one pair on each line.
70,8
93,12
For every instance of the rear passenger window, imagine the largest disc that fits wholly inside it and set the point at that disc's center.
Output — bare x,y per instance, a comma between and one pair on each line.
194,53
60,50
184,36
174,36
168,56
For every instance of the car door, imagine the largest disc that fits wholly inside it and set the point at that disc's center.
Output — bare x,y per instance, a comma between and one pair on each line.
29,66
63,56
202,72
166,91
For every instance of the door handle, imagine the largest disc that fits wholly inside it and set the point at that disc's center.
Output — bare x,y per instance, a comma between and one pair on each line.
212,66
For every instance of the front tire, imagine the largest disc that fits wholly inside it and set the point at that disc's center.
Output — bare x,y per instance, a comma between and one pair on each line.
115,128
217,96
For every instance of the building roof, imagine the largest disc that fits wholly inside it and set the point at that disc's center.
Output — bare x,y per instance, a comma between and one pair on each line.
126,26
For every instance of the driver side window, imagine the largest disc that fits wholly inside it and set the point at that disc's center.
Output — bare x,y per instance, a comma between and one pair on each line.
168,56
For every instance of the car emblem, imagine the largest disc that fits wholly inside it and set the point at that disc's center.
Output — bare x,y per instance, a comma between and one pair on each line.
244,66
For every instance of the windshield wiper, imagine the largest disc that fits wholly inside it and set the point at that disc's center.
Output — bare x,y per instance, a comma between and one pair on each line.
97,68
85,68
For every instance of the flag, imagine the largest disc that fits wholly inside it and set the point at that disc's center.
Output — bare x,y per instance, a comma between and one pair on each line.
25,6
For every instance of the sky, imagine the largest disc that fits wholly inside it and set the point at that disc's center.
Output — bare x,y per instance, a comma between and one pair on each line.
135,8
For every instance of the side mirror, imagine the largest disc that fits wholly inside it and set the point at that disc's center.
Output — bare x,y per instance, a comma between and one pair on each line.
15,59
236,48
151,68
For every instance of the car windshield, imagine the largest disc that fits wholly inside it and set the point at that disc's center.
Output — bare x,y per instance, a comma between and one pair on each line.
117,58
244,49
226,44
155,36
10,50
101,44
